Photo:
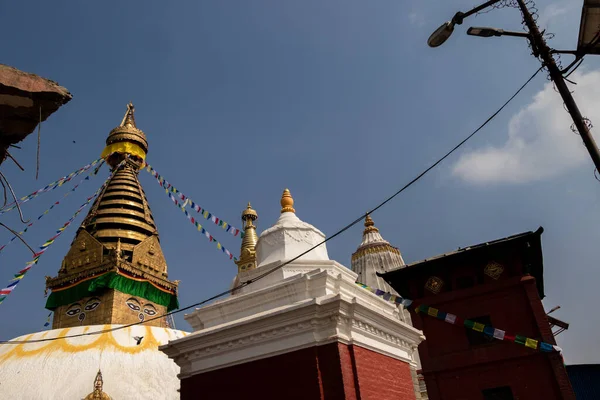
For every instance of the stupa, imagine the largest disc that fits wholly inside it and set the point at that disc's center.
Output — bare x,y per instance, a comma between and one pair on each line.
114,274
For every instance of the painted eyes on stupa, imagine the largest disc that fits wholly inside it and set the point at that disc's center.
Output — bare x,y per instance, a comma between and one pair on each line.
149,309
133,304
92,304
74,310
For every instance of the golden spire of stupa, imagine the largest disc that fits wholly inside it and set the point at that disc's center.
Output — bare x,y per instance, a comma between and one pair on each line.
287,202
247,259
118,239
125,139
369,225
98,394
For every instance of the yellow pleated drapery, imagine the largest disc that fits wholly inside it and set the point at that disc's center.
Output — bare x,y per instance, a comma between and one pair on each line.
124,147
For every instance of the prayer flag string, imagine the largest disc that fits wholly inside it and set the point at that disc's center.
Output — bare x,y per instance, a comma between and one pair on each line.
52,206
199,227
50,186
185,200
487,330
387,296
47,324
18,277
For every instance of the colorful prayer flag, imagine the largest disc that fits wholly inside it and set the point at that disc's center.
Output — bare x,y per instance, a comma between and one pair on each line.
531,343
499,334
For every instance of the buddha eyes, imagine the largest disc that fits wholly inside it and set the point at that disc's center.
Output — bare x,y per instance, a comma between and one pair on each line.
90,306
73,311
150,311
147,309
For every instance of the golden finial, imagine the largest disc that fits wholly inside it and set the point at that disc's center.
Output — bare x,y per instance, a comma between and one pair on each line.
98,394
369,225
287,202
129,118
247,259
249,215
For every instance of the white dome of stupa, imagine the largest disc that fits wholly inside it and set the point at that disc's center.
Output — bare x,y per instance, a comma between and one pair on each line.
289,237
68,368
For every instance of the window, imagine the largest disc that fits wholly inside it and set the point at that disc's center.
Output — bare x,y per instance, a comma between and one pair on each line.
498,393
478,338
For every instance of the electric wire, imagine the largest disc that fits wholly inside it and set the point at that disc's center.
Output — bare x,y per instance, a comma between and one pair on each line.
257,278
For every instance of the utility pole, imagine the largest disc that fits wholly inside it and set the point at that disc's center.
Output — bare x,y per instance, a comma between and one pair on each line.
541,48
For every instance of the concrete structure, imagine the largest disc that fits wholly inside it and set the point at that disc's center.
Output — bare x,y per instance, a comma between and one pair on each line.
498,284
303,331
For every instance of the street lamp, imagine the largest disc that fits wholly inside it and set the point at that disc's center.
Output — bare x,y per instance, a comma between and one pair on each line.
489,32
589,43
442,33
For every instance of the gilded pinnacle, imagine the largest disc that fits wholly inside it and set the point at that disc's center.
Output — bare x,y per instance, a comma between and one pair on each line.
287,202
369,225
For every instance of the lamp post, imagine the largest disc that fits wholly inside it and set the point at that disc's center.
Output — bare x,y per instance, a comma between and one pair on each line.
541,50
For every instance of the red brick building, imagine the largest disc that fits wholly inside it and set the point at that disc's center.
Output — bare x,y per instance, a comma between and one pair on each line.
332,371
498,284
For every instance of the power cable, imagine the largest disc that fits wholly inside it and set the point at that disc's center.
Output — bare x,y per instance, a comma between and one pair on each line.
248,282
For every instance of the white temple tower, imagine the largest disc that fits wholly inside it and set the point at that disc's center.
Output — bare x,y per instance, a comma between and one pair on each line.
374,254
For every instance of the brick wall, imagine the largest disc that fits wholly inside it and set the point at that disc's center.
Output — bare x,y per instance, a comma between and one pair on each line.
329,372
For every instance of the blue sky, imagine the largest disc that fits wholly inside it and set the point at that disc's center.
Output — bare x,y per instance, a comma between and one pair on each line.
342,102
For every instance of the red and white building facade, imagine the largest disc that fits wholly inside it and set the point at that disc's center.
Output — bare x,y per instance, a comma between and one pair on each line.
304,331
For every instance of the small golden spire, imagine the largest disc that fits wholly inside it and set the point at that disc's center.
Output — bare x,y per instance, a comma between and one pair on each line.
287,202
369,225
98,394
249,215
129,118
247,259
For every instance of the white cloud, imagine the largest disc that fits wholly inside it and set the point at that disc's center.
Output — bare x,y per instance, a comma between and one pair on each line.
416,18
540,143
551,12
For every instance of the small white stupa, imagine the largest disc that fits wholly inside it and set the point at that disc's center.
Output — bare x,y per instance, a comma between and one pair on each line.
298,330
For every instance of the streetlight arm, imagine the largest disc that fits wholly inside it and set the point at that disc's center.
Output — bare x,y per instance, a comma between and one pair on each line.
459,16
